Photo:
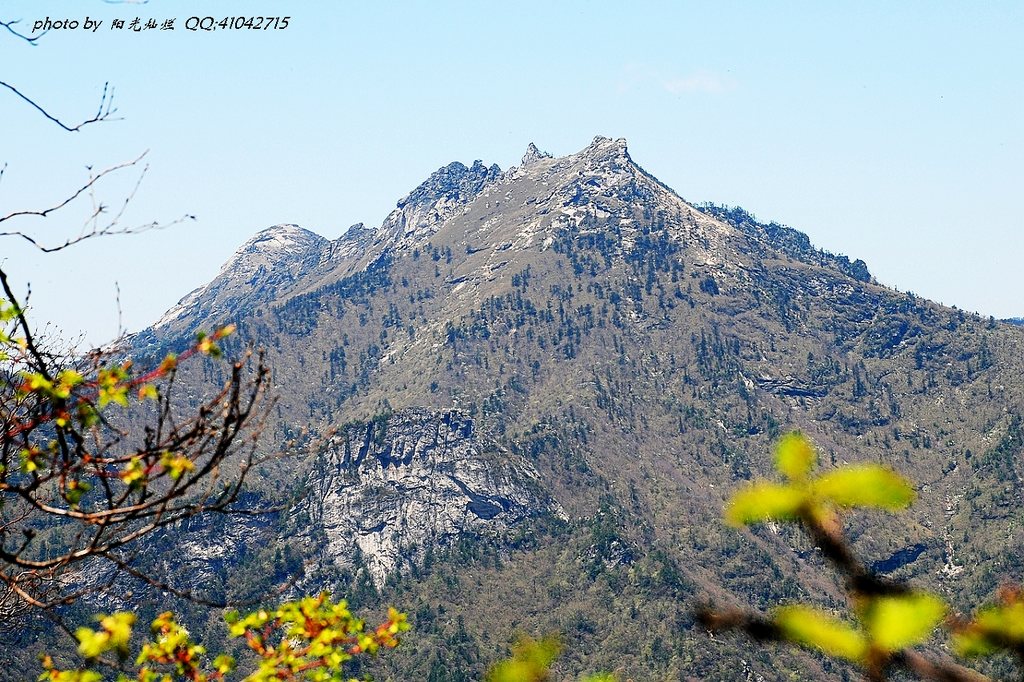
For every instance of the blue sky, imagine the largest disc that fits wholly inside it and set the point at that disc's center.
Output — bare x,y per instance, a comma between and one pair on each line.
886,131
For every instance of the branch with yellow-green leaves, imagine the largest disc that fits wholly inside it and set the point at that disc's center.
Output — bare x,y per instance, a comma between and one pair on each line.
95,456
531,661
311,639
890,618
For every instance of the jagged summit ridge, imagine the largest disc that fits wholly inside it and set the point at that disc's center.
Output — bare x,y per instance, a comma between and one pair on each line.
604,148
454,182
439,197
481,208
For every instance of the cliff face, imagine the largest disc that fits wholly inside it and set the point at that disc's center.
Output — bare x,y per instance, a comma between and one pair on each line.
393,489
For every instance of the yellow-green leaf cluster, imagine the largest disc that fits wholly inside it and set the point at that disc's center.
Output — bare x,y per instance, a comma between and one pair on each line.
530,661
172,649
112,386
308,639
114,633
52,674
134,473
148,392
764,500
32,459
311,638
865,485
894,622
995,627
8,313
804,496
75,489
176,465
817,629
795,457
888,623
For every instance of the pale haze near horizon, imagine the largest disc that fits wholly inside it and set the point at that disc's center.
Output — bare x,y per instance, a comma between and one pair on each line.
890,133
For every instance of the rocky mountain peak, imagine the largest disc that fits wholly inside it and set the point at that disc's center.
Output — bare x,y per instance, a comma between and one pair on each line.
454,182
274,244
351,244
271,259
532,155
605,150
284,232
437,199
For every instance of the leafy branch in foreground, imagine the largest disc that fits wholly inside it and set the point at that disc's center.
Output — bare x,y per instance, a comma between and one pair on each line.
889,617
308,639
531,661
94,457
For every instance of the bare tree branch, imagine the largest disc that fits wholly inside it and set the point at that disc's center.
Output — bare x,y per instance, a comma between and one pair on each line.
31,40
93,179
93,226
103,111
80,488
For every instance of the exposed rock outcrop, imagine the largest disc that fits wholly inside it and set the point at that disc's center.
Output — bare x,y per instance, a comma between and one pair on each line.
415,480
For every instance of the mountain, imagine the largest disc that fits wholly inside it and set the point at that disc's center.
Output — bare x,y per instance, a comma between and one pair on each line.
521,402
265,265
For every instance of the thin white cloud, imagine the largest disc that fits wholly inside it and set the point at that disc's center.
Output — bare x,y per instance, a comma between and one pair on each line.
638,76
698,82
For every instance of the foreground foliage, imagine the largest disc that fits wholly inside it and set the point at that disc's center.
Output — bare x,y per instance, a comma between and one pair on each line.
889,618
531,661
95,456
308,639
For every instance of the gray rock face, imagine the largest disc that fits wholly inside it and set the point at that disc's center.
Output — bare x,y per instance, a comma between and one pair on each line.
455,182
392,488
533,154
259,271
438,198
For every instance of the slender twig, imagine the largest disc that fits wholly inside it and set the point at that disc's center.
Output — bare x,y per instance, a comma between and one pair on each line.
30,344
112,227
859,579
31,40
93,179
761,629
946,671
103,112
120,317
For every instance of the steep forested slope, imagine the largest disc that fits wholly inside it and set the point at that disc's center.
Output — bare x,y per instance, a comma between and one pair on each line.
520,403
